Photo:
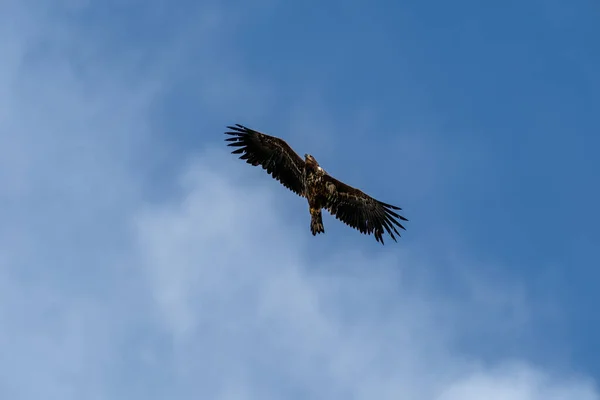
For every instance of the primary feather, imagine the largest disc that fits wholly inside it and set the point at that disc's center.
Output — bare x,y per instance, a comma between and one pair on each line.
271,153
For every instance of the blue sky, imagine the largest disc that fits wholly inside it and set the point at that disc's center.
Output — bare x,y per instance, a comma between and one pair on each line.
139,259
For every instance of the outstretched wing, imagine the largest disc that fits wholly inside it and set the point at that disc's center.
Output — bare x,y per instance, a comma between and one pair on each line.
361,211
272,153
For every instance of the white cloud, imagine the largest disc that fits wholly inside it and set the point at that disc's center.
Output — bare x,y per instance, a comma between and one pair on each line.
214,292
519,382
237,292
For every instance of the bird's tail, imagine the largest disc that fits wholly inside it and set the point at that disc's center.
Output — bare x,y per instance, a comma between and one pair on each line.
316,221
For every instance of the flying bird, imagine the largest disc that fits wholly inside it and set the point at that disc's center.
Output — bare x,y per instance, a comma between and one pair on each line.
306,178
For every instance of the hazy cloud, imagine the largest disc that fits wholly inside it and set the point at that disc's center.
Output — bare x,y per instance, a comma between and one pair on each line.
213,291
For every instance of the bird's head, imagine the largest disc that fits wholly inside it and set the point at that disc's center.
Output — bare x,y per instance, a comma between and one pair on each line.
312,162
310,159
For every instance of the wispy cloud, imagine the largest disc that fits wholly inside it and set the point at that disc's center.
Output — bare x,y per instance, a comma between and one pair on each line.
248,309
213,291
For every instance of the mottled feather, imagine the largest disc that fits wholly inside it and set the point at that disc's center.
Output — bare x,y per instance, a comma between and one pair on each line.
361,211
273,154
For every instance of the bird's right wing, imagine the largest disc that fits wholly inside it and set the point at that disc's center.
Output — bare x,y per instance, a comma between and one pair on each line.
271,153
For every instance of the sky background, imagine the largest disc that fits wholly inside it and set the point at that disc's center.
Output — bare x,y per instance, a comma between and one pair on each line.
139,259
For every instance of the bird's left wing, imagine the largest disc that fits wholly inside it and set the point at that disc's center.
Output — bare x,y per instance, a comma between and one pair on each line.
361,211
271,153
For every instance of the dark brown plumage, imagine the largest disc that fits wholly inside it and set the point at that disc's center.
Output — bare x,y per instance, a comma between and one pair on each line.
307,179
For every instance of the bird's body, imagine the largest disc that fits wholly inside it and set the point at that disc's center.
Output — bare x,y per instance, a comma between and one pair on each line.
322,191
314,192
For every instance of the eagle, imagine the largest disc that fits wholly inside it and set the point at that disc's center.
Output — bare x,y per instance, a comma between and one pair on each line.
306,178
